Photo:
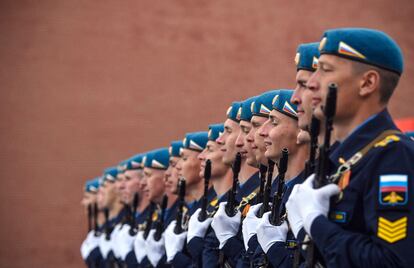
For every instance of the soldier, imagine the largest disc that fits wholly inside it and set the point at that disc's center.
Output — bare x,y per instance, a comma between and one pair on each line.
148,250
368,223
131,194
112,205
188,167
90,246
233,248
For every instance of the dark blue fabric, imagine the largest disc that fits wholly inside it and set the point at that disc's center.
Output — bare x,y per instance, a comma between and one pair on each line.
354,241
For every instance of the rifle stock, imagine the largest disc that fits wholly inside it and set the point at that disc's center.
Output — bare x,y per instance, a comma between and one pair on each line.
262,174
277,211
180,213
231,200
207,174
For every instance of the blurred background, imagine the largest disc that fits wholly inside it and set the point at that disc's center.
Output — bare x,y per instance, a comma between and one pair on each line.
86,84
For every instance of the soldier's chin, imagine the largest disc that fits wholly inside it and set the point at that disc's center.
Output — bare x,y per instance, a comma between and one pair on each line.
318,113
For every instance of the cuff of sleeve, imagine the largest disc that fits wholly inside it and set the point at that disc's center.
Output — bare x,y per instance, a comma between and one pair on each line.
233,247
195,247
321,230
277,253
181,260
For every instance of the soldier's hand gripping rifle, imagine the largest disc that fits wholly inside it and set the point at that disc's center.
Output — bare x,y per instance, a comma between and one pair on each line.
277,209
207,174
268,188
180,210
231,200
159,227
148,223
262,175
89,217
133,230
325,149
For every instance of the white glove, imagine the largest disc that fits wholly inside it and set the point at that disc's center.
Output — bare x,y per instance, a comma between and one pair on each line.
268,234
294,218
124,242
250,224
224,226
90,243
155,249
104,245
197,228
114,239
311,202
174,243
139,246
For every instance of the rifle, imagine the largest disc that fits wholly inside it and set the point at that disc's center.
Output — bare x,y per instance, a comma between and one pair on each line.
89,217
309,169
231,200
148,224
180,211
324,151
207,174
262,175
133,223
159,227
107,229
95,212
314,133
277,212
268,188
325,148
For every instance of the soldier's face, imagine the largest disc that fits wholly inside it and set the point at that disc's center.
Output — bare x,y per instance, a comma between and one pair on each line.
213,152
133,184
171,176
282,133
257,139
189,167
302,97
245,147
333,69
154,187
110,194
120,185
228,141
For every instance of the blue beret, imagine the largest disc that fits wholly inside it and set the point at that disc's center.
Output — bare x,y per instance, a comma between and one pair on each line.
92,186
122,166
282,104
307,56
214,131
246,109
196,141
175,148
135,162
158,159
234,111
410,134
263,103
110,174
365,45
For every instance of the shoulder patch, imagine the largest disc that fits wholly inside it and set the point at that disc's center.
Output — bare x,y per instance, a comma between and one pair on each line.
392,231
393,190
387,140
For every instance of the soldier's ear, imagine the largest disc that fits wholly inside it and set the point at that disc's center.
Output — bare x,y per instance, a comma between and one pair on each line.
369,83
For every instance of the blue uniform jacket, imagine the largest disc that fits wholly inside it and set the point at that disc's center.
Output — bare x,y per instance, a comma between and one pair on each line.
372,225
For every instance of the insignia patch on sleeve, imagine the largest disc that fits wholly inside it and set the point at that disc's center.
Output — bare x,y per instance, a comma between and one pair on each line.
393,190
338,216
392,231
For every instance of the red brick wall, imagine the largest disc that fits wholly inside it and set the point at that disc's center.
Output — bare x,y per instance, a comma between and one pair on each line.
85,84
